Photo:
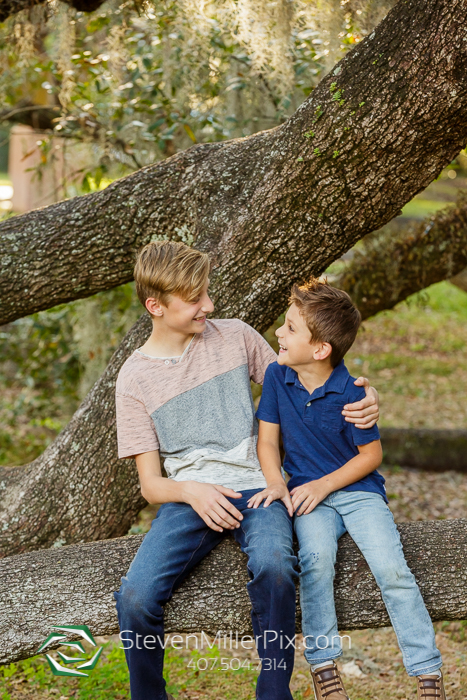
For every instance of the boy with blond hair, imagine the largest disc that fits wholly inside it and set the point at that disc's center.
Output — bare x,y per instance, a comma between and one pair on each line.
334,486
185,395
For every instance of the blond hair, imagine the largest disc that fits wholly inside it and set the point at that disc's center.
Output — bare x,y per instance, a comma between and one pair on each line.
166,268
329,314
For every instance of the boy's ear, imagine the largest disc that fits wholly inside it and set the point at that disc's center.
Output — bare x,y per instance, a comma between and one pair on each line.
323,351
154,307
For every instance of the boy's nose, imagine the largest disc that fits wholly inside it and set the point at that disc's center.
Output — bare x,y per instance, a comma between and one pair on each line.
208,306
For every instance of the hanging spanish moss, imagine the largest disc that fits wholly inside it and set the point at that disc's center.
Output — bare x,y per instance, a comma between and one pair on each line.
138,84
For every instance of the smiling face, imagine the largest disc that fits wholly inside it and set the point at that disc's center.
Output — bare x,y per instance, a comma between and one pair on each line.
183,317
296,348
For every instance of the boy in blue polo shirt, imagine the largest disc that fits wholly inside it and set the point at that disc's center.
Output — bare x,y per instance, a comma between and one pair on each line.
334,486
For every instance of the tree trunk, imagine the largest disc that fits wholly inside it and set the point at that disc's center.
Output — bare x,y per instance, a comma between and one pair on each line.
460,280
78,489
268,208
74,585
394,266
273,207
422,448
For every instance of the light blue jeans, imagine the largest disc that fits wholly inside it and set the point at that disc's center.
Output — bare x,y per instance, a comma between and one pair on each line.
368,520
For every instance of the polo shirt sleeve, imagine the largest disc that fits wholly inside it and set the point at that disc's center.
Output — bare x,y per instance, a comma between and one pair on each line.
268,409
361,436
135,429
260,354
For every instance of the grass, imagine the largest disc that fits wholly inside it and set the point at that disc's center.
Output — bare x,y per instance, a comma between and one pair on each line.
419,208
188,671
213,674
415,356
33,678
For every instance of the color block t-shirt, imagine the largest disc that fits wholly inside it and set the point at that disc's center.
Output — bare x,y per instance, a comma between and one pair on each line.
198,411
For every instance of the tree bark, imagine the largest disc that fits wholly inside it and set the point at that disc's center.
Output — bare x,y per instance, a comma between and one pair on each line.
460,280
422,448
74,585
267,218
273,207
394,266
8,8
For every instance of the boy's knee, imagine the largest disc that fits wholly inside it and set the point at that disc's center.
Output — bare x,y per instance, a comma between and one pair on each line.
135,602
318,559
276,563
393,574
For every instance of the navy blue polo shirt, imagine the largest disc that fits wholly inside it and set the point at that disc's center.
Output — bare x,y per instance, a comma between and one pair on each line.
317,440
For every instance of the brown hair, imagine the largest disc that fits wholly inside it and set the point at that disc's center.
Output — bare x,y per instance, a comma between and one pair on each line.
165,268
329,315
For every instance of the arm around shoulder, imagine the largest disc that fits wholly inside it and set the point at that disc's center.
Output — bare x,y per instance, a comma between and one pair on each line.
364,411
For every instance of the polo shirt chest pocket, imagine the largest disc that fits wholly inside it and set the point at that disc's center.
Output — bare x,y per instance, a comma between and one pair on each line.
332,418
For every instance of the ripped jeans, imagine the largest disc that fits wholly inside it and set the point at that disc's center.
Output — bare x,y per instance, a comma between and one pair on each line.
368,520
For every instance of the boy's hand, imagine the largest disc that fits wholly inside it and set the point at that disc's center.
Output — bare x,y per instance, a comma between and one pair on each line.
211,504
275,492
309,496
364,413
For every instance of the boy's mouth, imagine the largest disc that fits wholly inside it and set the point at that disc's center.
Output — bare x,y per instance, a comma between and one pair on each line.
200,319
282,348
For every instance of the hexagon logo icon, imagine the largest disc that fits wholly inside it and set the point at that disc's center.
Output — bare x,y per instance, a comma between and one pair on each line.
81,660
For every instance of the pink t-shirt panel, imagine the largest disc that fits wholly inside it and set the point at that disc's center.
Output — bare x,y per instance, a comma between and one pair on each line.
154,394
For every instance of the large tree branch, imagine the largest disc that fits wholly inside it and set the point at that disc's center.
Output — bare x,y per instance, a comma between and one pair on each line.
460,280
74,585
26,112
8,8
249,203
395,265
385,122
425,448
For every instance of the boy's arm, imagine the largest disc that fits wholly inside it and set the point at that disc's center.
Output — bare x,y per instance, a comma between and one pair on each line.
306,497
208,500
270,460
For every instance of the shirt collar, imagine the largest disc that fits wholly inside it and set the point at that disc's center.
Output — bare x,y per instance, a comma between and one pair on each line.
336,383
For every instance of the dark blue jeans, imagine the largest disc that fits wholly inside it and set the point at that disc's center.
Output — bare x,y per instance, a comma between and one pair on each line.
177,541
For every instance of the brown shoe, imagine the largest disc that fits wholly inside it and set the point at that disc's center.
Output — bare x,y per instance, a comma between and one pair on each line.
327,683
430,687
